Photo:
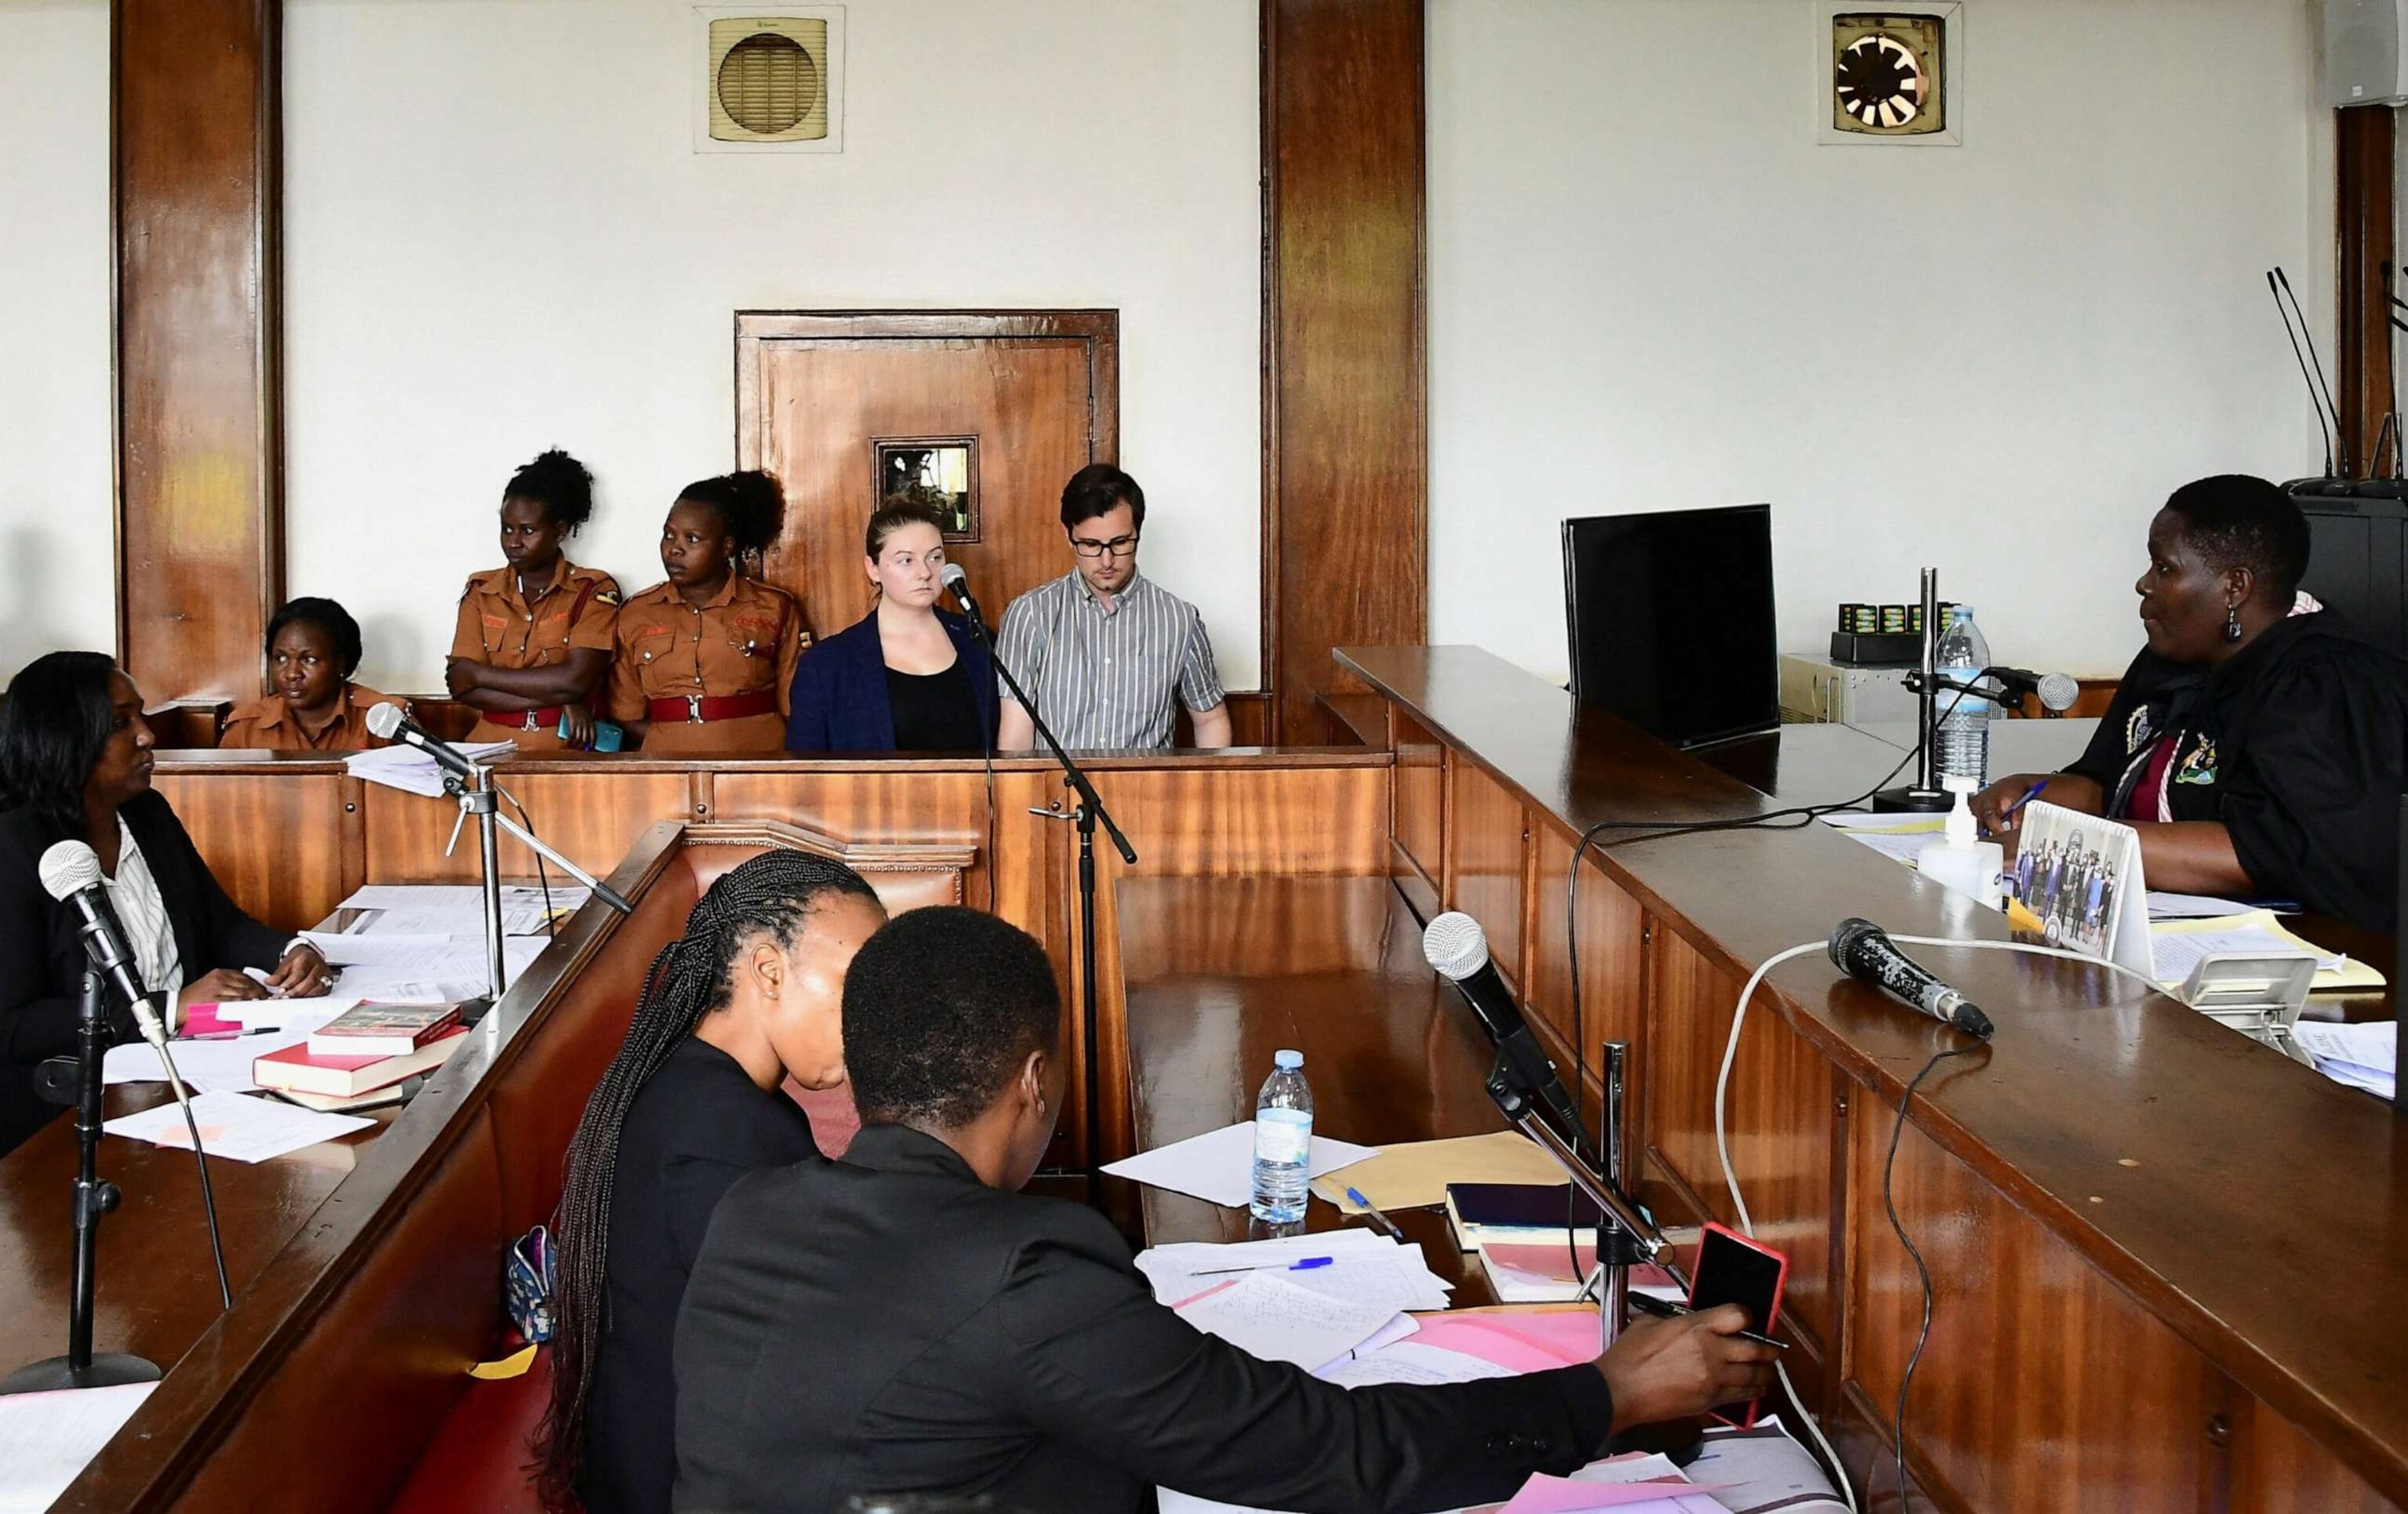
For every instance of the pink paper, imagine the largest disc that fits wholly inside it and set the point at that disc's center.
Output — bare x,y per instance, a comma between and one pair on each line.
1517,1342
1543,1494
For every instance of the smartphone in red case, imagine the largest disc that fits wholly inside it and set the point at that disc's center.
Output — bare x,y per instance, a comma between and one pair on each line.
1732,1269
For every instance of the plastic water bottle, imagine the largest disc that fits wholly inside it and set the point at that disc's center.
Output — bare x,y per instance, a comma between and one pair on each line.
1964,749
1282,1141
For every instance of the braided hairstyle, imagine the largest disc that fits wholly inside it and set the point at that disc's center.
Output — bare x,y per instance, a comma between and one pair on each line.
560,483
751,509
770,895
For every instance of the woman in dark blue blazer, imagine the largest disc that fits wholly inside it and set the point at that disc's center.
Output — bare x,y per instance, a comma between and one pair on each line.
907,677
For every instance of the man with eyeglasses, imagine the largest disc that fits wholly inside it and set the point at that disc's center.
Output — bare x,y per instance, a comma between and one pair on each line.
1102,649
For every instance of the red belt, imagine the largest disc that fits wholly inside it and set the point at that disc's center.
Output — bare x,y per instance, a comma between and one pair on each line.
547,719
687,709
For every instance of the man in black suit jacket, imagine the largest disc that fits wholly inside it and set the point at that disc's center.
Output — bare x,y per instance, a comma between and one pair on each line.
902,1320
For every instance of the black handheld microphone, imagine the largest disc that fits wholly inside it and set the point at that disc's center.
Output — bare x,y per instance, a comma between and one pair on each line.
1458,949
959,581
391,723
70,873
1863,951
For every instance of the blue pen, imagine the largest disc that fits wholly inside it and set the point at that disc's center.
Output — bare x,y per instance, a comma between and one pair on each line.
1373,1210
2029,794
1301,1265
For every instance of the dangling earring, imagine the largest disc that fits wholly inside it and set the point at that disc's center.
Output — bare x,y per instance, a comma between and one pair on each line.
2233,622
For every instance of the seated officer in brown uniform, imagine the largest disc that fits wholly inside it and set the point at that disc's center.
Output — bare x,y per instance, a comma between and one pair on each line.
705,660
532,645
313,648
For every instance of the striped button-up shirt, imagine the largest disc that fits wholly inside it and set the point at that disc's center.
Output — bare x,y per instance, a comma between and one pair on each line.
1103,678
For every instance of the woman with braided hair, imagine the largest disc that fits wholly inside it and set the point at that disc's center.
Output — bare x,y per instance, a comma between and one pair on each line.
750,996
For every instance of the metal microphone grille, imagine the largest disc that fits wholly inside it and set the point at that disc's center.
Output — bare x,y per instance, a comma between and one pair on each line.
2058,692
384,721
68,868
1455,946
953,577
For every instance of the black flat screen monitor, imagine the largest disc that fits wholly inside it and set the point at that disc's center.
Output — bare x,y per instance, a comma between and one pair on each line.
1670,617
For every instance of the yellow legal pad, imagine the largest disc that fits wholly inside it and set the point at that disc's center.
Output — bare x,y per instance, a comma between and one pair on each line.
2176,945
1413,1175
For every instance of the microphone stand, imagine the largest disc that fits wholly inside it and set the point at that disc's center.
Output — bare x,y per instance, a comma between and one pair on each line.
95,1196
1924,794
476,795
1087,814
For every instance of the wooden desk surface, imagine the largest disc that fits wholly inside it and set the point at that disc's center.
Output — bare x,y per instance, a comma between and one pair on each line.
1221,973
2254,1207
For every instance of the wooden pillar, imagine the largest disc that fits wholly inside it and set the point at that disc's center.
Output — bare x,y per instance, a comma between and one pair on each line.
1345,474
194,180
2367,277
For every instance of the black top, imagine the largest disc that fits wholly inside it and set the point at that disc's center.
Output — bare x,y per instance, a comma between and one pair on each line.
697,1125
887,1324
2299,745
42,958
934,711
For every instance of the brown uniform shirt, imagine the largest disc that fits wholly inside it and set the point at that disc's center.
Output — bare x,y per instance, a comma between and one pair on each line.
499,627
742,642
269,725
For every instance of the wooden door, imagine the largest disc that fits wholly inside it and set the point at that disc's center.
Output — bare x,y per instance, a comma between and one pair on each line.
816,391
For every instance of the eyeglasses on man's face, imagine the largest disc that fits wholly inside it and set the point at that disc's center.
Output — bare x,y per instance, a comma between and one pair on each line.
1119,546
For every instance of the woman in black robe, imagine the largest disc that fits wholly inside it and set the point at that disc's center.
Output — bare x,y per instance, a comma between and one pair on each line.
2259,744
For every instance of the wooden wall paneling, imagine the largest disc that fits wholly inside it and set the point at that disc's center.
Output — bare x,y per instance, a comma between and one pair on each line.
1345,475
1487,854
1212,821
1781,1114
1040,389
195,161
871,804
1417,809
279,842
2274,1468
2080,1399
2364,138
1613,977
591,816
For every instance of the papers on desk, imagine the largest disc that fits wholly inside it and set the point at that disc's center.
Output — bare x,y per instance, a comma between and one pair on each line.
1219,1165
2177,946
1265,1316
1760,1469
237,1126
409,768
1897,837
47,1439
217,1066
2362,1056
1361,1265
1413,1175
420,969
2165,906
1635,1483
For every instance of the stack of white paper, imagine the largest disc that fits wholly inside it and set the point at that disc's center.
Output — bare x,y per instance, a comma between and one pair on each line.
419,970
215,1066
409,768
2363,1056
1351,1263
47,1439
1219,1165
1267,1316
1898,837
237,1126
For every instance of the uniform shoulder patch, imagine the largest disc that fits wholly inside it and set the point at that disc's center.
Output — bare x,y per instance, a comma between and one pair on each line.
606,595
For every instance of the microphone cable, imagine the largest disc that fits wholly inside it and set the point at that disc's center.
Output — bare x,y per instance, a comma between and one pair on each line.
1738,1202
200,1159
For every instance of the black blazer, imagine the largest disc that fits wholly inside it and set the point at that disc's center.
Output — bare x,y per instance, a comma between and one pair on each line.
887,1324
839,699
42,960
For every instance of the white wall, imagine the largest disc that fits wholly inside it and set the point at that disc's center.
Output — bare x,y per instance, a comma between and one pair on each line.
1650,288
56,536
499,239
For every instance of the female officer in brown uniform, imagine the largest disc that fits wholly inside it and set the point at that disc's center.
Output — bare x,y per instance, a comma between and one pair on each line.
313,648
704,658
532,645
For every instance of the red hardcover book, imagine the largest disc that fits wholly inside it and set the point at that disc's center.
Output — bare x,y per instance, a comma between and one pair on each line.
382,1029
294,1068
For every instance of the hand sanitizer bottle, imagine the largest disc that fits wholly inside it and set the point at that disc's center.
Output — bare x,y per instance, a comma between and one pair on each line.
1958,860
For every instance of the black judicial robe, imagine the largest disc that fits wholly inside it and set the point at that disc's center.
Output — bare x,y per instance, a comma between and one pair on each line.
2299,745
889,1324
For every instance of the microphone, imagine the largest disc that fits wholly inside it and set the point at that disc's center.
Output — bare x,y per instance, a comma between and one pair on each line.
71,871
1458,949
959,581
2058,691
1863,951
391,723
